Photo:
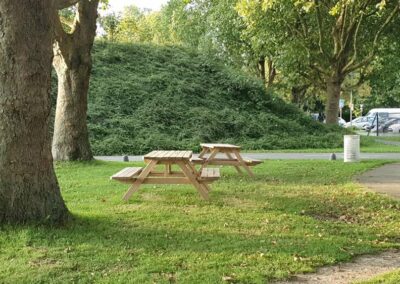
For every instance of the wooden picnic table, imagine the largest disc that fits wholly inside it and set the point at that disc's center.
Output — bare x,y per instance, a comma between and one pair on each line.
186,173
208,156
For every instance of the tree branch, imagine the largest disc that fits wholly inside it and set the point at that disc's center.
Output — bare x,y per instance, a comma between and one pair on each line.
350,67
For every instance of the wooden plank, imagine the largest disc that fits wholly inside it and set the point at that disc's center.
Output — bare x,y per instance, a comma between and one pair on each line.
127,173
210,173
162,174
227,162
135,186
179,180
168,155
252,162
243,163
188,172
197,160
236,166
213,154
203,152
219,145
167,180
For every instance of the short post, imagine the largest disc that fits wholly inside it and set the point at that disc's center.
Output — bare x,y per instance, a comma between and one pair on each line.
351,148
377,124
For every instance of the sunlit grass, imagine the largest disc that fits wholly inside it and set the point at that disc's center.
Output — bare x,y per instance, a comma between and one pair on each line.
292,217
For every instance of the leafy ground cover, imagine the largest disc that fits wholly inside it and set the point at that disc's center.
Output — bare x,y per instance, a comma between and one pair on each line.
292,217
145,97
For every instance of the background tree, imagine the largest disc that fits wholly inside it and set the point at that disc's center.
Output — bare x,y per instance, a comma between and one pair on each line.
73,64
110,23
28,186
332,38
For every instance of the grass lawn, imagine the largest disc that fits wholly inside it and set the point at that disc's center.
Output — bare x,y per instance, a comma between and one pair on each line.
292,217
368,145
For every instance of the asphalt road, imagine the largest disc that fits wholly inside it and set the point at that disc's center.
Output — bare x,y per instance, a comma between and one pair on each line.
282,156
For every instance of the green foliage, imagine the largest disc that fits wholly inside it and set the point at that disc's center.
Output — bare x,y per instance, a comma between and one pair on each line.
145,97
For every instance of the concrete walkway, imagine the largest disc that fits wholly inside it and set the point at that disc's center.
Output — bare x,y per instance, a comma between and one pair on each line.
384,180
283,156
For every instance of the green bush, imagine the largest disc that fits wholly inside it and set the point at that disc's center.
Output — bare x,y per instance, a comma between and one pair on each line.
145,97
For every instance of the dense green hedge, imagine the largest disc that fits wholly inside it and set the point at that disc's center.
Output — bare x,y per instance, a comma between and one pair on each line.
145,97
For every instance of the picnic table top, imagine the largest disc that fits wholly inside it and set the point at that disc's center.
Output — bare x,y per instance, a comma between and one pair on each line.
219,145
169,155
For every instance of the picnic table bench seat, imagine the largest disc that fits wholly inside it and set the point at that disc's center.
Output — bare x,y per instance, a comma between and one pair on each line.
210,174
127,174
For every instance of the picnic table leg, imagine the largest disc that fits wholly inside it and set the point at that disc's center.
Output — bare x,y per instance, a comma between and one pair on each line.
197,174
209,159
243,163
203,152
239,170
135,186
193,179
167,169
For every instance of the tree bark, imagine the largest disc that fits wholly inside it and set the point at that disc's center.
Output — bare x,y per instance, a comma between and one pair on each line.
29,189
333,89
271,73
73,64
71,136
261,69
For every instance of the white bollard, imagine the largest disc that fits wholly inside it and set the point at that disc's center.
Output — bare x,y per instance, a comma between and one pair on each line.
351,148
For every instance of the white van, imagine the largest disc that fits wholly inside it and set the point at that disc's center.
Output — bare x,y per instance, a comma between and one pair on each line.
384,112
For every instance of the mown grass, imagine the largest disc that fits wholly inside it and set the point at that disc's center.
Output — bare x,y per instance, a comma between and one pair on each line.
369,144
292,217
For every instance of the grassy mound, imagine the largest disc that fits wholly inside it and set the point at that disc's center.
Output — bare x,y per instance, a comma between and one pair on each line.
145,97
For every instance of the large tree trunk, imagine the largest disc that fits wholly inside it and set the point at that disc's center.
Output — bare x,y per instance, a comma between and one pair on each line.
28,186
73,64
71,137
333,88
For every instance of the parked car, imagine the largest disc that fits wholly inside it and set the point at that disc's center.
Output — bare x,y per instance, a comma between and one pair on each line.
384,126
341,122
384,112
361,122
395,128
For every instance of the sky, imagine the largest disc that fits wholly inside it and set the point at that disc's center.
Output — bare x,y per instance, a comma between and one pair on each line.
118,5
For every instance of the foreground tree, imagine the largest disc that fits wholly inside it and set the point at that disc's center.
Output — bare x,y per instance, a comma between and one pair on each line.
332,38
73,64
28,186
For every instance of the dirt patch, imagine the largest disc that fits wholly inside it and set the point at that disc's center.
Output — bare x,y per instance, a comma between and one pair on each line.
362,268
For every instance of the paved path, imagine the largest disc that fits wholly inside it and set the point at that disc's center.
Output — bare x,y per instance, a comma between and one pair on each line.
283,156
385,180
360,269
